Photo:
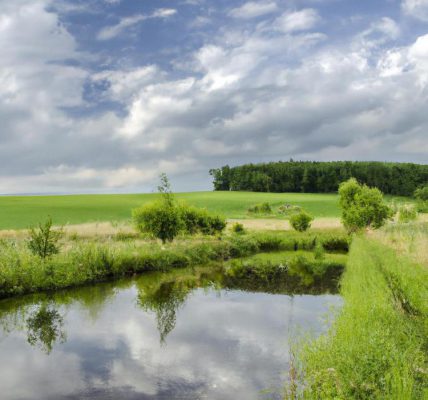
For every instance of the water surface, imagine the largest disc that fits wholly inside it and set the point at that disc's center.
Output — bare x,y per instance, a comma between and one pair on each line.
180,335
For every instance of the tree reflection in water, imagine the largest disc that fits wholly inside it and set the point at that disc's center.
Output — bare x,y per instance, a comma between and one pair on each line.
45,327
164,297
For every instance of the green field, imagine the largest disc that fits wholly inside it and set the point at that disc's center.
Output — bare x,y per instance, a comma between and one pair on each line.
23,211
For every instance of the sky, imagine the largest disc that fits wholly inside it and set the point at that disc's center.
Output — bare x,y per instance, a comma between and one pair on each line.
101,96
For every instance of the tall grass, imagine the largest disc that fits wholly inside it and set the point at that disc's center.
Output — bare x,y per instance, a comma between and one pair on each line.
377,346
83,262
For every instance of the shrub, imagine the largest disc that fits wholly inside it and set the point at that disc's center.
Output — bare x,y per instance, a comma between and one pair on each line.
319,252
238,228
422,206
159,219
362,207
197,220
288,209
407,213
262,208
43,241
422,193
335,242
241,246
301,221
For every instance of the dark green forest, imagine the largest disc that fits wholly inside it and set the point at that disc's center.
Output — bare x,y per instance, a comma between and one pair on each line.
320,177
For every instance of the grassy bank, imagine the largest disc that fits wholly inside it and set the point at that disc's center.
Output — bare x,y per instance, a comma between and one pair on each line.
299,271
377,346
87,261
17,212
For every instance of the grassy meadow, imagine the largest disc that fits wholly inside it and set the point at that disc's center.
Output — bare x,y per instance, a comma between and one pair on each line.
20,212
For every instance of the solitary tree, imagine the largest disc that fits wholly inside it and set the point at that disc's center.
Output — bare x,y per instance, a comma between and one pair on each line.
160,219
44,240
362,207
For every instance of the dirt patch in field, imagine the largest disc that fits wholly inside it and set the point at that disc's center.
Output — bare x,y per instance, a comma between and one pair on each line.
281,225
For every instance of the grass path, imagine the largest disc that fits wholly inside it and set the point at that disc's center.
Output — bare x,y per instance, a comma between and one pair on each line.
376,347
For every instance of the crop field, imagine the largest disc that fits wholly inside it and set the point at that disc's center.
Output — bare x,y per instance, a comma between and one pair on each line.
18,212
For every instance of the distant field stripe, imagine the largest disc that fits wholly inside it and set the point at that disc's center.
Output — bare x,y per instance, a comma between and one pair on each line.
22,211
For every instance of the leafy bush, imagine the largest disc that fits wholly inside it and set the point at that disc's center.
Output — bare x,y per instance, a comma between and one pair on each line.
262,208
289,209
422,193
198,220
407,213
362,207
159,219
319,252
422,206
242,245
43,241
238,228
301,221
335,242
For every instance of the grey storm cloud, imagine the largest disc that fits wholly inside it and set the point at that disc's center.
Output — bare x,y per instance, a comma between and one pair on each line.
247,94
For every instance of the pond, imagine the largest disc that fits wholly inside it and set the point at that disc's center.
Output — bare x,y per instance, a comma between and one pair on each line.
186,334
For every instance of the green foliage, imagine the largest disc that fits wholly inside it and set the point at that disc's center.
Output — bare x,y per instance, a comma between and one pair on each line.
320,177
159,219
407,213
319,252
44,240
262,208
90,261
164,189
289,209
422,193
376,347
301,221
238,228
165,219
362,207
299,273
422,206
197,220
45,327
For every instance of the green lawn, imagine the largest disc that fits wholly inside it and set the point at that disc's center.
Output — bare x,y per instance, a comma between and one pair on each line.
23,211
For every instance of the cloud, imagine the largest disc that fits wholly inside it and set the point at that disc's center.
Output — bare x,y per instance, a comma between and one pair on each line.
253,9
416,8
242,92
297,21
110,32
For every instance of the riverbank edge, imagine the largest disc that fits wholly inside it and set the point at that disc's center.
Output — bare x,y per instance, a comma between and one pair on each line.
377,346
90,262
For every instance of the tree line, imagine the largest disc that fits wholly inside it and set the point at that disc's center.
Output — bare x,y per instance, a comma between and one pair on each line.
320,177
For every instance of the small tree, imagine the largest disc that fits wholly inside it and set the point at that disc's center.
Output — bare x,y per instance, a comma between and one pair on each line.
162,218
159,220
44,240
362,207
301,221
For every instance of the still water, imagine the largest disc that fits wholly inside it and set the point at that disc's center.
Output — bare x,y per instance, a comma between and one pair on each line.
182,335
